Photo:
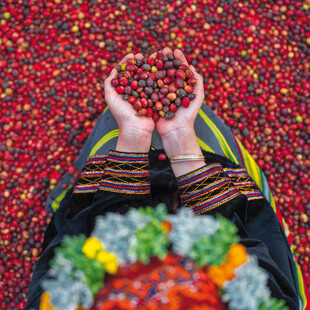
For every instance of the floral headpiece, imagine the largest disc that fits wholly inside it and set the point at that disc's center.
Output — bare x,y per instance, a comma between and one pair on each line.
182,258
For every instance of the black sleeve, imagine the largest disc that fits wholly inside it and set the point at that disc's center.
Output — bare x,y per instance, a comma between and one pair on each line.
124,184
232,193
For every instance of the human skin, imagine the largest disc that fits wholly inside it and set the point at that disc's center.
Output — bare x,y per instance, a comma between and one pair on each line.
178,134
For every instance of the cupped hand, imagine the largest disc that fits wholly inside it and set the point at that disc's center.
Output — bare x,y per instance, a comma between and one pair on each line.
184,118
124,113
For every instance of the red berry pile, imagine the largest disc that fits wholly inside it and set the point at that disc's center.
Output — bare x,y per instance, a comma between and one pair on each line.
55,54
156,86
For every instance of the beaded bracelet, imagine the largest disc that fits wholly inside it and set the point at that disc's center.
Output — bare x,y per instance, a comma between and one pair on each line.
176,158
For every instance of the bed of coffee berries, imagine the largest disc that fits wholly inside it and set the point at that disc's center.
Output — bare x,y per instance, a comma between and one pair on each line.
55,55
156,86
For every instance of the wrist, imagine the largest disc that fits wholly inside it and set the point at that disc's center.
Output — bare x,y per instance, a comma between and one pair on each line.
135,142
182,141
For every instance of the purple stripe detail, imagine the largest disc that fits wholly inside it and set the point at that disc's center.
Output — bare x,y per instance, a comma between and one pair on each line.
122,172
123,186
200,175
207,189
233,192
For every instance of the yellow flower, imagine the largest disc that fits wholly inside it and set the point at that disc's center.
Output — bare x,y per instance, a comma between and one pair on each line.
111,267
109,260
45,302
91,247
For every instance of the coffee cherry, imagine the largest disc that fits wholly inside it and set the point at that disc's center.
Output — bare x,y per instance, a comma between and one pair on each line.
168,65
128,90
159,64
172,88
188,88
158,106
171,72
192,81
155,117
181,93
178,102
132,99
180,74
154,97
165,101
169,115
171,96
142,83
120,89
137,105
176,64
148,90
164,90
191,96
149,112
160,74
139,63
185,102
179,83
123,81
173,106
134,84
146,67
114,82
144,102
144,75
129,67
142,112
170,56
149,82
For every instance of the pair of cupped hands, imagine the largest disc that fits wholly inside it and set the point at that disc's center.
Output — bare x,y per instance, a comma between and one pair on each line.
136,131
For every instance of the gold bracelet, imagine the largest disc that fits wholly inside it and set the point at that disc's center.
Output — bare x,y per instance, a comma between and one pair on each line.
176,158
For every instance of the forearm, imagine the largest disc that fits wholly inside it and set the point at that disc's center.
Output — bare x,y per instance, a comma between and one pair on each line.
135,142
183,142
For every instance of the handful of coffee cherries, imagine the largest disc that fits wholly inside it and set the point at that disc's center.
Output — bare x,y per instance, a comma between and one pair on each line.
156,86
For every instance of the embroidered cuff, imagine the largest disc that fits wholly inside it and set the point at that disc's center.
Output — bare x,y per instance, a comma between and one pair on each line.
91,175
206,188
126,173
244,183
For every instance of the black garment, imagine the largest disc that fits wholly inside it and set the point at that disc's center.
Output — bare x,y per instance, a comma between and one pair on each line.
259,228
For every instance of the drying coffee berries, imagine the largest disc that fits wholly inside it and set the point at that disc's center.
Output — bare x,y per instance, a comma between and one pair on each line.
156,86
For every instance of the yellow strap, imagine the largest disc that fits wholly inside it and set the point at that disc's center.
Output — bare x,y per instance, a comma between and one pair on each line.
110,135
224,145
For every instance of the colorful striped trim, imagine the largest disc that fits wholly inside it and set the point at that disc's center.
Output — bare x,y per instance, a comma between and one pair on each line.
206,188
129,157
126,173
96,159
215,202
199,174
244,183
91,175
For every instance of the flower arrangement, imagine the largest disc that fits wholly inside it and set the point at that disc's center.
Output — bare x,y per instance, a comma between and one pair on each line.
147,259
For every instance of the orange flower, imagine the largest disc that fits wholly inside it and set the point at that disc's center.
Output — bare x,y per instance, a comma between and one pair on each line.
226,271
166,226
45,302
237,255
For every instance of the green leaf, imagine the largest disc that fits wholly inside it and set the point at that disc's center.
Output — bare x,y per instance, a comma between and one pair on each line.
71,248
213,250
151,239
159,212
273,304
